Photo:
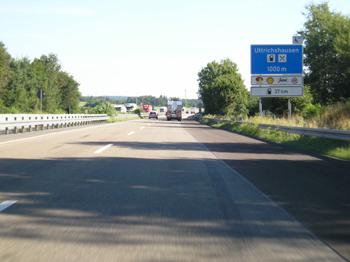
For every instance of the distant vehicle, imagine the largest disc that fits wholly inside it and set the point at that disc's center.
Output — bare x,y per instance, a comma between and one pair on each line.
153,114
163,109
193,110
147,108
183,110
174,109
120,108
130,107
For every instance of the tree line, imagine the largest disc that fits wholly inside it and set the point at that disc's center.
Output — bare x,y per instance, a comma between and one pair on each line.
327,71
21,79
92,101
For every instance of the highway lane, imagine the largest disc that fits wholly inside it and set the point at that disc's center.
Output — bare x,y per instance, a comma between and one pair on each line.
154,194
311,187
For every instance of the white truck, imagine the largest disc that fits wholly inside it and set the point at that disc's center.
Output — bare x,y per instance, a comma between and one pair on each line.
120,108
193,110
174,109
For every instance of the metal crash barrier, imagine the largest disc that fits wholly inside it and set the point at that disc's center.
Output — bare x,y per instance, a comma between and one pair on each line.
21,123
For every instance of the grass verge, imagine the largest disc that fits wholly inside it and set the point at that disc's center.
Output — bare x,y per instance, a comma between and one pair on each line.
331,147
113,119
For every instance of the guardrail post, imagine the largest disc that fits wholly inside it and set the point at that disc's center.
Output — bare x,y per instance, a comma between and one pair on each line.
30,128
22,131
36,128
15,130
6,130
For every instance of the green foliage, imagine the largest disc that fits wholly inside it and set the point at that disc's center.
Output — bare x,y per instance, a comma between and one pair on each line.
93,101
222,89
104,108
5,72
336,148
12,110
113,119
21,79
279,105
138,111
312,111
69,91
253,105
336,116
60,111
327,54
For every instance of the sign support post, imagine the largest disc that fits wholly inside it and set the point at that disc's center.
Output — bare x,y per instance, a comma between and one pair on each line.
41,101
41,95
260,107
289,108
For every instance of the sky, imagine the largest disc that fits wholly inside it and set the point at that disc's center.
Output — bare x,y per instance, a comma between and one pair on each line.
148,47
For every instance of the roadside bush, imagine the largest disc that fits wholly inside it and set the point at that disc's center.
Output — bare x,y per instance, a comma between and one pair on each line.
12,110
138,111
312,111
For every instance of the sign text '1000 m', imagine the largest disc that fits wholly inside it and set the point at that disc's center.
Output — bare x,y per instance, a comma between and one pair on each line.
276,69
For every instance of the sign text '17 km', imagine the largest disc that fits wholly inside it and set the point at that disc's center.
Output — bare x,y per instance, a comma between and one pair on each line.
276,59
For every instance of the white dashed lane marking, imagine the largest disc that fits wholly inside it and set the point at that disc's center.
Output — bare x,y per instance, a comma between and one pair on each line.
103,148
6,204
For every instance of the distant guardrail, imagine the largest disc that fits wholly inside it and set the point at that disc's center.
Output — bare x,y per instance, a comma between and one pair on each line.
318,132
15,123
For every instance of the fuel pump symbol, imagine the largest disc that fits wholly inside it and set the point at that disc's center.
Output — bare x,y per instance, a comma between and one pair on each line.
271,58
269,91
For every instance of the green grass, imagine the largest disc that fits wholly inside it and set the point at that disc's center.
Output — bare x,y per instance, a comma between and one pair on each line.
114,120
331,147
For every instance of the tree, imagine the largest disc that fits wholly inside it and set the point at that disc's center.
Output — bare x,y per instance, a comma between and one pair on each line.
69,92
23,86
222,90
48,68
327,54
5,72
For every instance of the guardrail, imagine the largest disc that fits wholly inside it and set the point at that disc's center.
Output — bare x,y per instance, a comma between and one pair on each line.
14,123
325,133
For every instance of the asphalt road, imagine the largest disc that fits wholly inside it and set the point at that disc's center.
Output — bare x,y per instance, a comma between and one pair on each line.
311,187
145,190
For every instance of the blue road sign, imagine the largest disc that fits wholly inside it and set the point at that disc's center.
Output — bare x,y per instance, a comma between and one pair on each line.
276,59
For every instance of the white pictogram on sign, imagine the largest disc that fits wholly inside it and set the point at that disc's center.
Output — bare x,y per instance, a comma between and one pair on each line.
282,58
271,58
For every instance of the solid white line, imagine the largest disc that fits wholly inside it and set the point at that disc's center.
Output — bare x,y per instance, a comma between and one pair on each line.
131,133
60,132
142,127
148,124
103,148
6,204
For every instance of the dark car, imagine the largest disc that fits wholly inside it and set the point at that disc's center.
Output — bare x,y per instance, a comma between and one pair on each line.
153,114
